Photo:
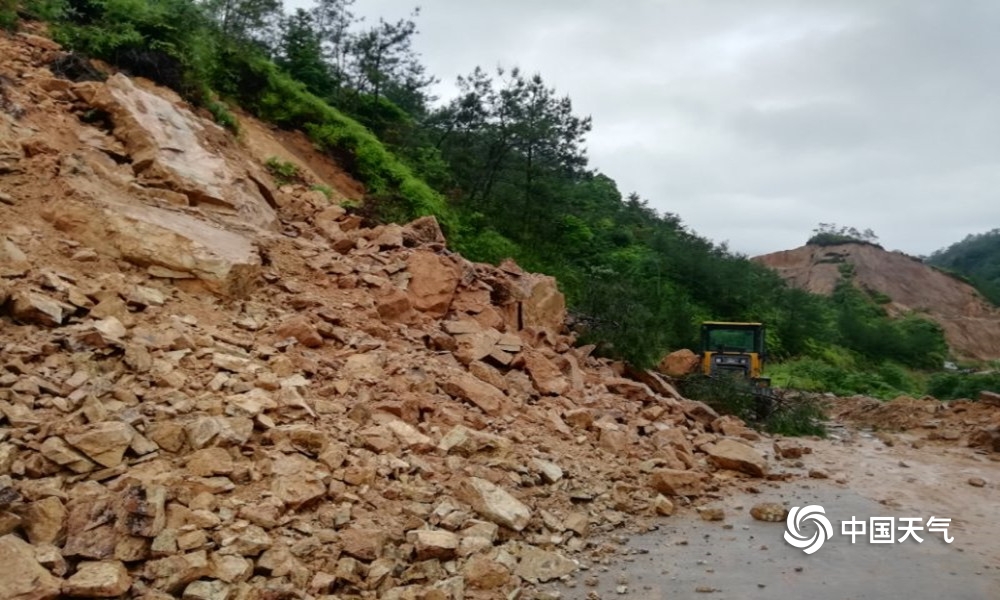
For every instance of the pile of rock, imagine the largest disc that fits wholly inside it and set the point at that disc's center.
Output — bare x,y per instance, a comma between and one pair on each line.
353,411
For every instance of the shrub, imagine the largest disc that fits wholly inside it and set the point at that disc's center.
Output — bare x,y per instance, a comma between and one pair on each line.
223,116
283,172
8,15
734,395
323,189
951,386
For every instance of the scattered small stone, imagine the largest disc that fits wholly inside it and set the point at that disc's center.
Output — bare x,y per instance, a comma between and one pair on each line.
977,482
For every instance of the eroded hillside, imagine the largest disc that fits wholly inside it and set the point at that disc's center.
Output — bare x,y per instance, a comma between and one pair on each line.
971,324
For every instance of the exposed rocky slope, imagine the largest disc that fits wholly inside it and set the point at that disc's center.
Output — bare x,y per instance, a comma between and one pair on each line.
971,324
216,389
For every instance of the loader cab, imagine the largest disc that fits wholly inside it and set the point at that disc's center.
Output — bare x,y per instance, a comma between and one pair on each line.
732,349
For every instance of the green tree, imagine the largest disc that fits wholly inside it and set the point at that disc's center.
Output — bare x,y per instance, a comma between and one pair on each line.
300,53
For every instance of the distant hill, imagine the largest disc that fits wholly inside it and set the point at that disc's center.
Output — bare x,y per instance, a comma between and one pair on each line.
902,284
977,257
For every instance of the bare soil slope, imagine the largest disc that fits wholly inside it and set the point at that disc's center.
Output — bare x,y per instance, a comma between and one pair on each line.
970,322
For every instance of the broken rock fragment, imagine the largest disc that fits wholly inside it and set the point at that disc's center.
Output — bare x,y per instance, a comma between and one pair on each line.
105,579
105,443
494,503
21,575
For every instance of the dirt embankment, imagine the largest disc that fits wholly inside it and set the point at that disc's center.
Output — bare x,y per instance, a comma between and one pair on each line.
971,324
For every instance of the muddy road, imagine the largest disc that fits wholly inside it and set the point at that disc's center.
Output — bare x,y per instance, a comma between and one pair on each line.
740,558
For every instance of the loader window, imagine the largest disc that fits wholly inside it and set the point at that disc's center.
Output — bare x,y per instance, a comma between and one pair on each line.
731,340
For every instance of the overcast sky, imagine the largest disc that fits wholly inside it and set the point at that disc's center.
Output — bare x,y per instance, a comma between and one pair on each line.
755,120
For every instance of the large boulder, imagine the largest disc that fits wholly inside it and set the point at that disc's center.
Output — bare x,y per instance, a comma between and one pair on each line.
433,280
544,306
736,456
679,363
172,244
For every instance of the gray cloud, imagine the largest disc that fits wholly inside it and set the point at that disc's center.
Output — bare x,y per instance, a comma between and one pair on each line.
754,121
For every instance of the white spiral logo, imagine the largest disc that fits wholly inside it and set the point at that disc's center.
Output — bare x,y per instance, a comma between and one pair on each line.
794,535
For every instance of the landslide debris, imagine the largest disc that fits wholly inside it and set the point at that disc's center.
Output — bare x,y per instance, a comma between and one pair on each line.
213,388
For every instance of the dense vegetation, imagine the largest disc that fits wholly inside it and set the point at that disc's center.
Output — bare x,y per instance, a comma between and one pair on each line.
830,234
504,168
977,258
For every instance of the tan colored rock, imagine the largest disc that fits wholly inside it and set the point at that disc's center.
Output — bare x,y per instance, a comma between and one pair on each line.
989,398
471,389
493,503
104,333
44,521
32,307
769,511
663,506
578,523
105,579
484,573
546,377
489,374
244,541
210,461
433,281
550,471
465,441
730,454
300,329
394,305
544,306
298,489
172,244
105,443
362,543
424,230
90,533
672,482
21,576
787,449
58,451
711,513
679,363
170,147
433,544
581,418
207,590
539,566
700,412
410,436
364,367
173,573
230,568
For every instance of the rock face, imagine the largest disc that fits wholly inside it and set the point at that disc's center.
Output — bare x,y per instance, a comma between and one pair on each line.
971,325
169,149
